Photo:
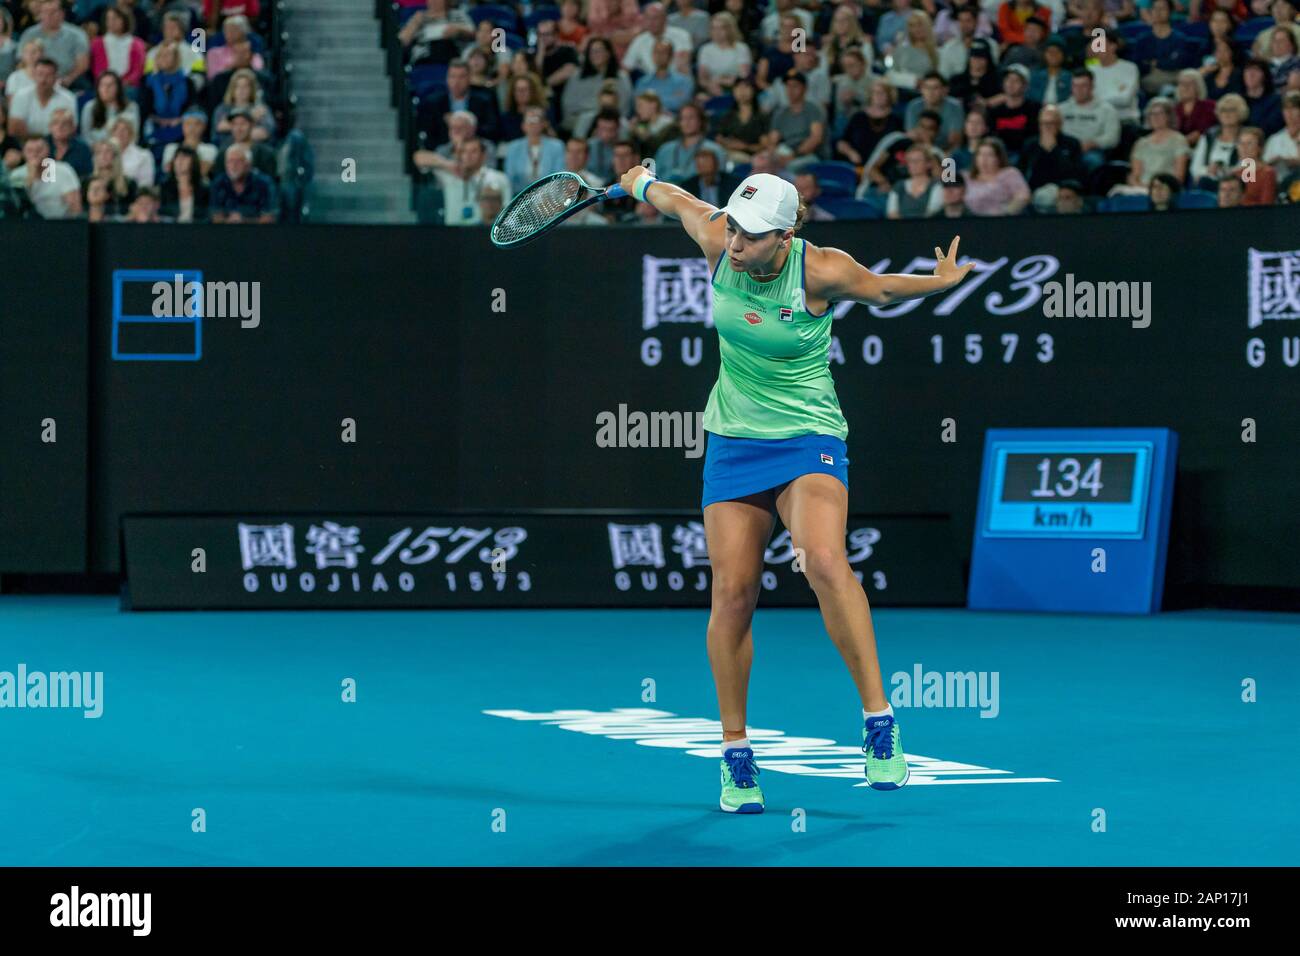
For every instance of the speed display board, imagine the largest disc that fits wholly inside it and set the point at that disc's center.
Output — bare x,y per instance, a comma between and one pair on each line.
1073,519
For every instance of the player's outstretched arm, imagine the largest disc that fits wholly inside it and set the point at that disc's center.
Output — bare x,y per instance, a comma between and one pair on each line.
694,213
836,276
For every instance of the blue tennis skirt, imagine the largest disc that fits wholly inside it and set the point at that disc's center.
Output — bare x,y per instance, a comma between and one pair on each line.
736,467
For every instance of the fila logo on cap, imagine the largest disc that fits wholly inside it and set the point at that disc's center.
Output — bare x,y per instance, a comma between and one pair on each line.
762,203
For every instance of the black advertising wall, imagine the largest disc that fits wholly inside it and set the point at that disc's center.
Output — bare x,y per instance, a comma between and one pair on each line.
350,324
536,559
474,377
43,355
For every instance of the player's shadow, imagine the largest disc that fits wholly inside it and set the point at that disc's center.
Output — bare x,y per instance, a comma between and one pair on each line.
694,842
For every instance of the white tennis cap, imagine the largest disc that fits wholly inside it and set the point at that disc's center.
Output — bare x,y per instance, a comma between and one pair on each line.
761,203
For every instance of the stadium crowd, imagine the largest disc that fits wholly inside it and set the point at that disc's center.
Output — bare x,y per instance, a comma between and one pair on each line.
873,108
138,110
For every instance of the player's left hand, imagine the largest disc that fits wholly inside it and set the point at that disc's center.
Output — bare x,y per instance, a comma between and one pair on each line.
945,266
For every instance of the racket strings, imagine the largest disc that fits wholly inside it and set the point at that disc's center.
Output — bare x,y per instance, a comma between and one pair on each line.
537,206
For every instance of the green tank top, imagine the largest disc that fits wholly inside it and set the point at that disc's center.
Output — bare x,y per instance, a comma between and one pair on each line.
774,380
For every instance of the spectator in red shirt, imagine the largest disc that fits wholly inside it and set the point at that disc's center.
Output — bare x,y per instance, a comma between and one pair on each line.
1194,112
1258,176
215,10
1238,8
569,28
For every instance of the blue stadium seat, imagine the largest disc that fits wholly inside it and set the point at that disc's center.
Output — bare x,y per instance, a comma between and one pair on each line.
539,14
502,16
84,9
741,170
1122,203
515,42
849,209
404,14
1133,30
841,176
218,39
717,105
1194,29
1197,199
1252,28
833,188
905,96
424,80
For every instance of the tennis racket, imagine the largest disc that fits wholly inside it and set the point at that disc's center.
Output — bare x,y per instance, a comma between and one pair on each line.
545,204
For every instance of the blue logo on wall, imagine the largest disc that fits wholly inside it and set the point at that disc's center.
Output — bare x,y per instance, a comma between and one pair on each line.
142,328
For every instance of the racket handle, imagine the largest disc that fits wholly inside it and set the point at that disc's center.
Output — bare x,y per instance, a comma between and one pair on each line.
615,192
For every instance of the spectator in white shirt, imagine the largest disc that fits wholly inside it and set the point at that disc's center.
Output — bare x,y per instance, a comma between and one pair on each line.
462,187
24,75
1116,81
1093,123
640,52
137,162
53,188
725,57
31,109
1283,148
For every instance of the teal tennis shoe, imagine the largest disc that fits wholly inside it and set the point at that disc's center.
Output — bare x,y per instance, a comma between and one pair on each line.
886,767
740,790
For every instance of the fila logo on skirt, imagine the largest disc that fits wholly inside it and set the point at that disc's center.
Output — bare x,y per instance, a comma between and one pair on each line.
827,459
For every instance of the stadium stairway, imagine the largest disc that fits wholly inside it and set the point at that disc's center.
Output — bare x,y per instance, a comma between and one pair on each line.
343,107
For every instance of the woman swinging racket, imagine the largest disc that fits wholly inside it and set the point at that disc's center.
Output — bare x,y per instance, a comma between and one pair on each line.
776,440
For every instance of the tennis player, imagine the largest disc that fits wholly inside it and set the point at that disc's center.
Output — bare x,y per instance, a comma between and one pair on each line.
776,440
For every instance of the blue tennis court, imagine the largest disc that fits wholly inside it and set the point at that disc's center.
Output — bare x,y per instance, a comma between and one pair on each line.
590,738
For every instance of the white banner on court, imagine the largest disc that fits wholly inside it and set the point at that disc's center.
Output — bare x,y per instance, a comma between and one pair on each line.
773,750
